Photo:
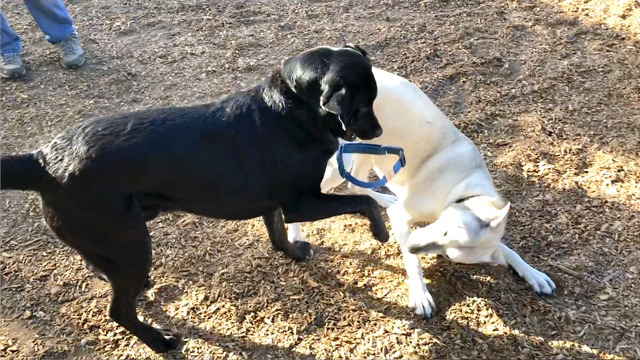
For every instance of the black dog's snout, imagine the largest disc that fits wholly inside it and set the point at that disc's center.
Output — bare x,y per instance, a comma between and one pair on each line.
367,126
372,134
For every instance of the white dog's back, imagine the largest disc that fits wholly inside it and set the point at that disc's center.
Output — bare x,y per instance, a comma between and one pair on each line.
401,105
412,121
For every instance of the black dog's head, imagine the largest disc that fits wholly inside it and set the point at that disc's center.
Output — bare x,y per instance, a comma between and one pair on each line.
338,82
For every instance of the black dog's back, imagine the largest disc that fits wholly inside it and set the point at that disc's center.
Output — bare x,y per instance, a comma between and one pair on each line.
219,160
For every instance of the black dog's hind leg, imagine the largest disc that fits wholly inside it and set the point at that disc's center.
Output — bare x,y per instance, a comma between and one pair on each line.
148,284
94,270
297,250
114,239
321,206
128,271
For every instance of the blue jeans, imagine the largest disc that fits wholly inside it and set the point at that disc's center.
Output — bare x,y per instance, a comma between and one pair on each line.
51,16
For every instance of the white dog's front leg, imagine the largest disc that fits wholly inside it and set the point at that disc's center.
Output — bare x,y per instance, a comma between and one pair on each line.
539,281
361,166
384,200
419,297
332,176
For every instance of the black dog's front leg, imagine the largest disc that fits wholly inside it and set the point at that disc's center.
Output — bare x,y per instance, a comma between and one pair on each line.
321,206
297,250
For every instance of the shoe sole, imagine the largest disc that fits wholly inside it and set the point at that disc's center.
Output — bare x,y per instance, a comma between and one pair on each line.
13,75
74,66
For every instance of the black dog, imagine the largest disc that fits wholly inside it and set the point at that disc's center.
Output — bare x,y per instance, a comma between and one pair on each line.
259,152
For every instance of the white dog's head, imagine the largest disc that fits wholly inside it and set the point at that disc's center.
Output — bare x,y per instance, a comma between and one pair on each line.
468,231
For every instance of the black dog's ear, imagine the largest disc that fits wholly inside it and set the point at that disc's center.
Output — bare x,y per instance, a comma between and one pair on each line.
356,48
337,101
332,100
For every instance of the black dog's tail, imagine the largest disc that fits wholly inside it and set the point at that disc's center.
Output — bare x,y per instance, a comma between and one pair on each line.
22,172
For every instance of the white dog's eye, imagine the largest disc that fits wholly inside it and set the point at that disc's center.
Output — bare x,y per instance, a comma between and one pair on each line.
445,234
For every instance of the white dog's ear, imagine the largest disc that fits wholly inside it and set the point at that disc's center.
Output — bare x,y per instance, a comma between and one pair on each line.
500,216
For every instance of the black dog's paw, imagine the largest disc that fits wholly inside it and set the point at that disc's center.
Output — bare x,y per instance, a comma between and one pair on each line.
300,251
148,284
166,340
381,234
297,250
101,276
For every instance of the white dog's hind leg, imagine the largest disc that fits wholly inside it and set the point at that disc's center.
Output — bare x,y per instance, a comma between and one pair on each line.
295,233
539,281
419,297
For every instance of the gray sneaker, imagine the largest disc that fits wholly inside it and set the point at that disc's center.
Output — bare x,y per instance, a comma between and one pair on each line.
71,52
12,66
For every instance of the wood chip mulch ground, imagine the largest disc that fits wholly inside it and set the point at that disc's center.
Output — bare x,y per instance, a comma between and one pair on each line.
549,90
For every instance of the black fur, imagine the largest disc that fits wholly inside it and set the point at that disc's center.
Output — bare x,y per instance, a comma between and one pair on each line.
259,152
23,172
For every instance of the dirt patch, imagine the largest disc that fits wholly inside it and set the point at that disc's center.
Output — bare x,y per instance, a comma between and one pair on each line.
550,93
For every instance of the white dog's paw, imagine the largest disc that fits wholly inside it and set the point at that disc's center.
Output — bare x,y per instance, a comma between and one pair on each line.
385,200
421,301
539,281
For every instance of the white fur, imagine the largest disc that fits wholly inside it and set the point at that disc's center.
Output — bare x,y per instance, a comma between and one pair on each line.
443,166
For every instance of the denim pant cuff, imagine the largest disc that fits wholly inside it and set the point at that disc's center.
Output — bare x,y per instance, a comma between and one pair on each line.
72,32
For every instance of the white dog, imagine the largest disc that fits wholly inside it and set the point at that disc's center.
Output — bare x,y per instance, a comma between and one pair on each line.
445,182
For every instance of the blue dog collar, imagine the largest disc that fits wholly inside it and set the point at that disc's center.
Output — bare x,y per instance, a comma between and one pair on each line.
373,149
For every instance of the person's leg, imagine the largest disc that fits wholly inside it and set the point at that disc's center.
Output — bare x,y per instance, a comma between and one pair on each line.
9,40
52,17
54,20
10,47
